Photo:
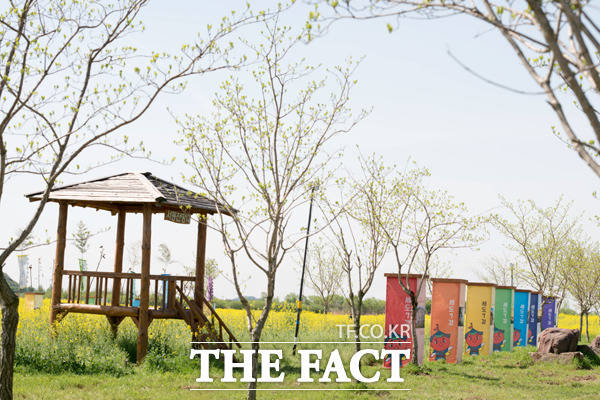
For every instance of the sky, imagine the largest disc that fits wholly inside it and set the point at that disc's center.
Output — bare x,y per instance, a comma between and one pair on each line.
478,140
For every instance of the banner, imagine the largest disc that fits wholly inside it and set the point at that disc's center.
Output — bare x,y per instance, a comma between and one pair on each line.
23,263
479,323
503,318
520,325
447,320
398,312
532,326
165,291
548,313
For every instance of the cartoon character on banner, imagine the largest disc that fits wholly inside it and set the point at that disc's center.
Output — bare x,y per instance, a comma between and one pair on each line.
396,342
440,344
530,338
474,340
498,338
517,337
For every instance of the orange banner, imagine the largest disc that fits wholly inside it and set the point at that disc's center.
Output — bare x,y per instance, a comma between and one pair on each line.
447,320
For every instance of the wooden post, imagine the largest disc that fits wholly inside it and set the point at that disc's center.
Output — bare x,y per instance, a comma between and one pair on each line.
171,295
59,259
116,289
199,279
114,323
200,261
142,339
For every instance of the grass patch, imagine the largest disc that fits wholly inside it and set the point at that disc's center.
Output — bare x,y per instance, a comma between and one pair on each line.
83,361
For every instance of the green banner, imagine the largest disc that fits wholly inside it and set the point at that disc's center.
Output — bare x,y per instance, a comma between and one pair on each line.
503,319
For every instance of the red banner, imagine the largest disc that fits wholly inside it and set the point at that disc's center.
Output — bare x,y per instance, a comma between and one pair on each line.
398,312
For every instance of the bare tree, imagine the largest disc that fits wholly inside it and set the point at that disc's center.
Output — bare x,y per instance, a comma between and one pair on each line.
212,268
538,237
211,272
134,255
101,256
354,233
70,81
324,273
417,222
259,155
556,42
501,271
438,268
580,263
81,238
165,257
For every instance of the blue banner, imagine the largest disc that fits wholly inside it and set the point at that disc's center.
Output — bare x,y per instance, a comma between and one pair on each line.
520,324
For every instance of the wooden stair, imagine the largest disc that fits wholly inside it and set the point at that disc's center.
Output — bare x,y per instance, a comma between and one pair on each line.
208,331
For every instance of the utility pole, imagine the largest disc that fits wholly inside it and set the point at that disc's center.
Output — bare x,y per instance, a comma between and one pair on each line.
299,302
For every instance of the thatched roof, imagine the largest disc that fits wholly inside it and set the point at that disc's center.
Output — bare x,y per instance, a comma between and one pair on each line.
131,191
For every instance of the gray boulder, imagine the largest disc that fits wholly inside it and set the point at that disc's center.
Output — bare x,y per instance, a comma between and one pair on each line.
595,345
558,340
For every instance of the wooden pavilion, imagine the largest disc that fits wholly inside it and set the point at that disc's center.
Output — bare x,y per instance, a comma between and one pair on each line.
112,293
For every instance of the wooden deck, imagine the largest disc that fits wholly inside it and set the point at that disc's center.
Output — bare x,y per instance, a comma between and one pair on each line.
88,292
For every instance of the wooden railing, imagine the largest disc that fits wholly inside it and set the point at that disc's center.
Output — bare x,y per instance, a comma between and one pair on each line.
221,325
203,318
89,287
167,297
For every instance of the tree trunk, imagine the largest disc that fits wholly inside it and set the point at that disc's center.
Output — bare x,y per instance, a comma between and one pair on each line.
255,336
413,327
559,304
587,327
580,324
255,346
10,319
357,313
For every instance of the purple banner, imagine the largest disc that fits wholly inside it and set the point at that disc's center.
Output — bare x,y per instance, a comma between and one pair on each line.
548,312
532,323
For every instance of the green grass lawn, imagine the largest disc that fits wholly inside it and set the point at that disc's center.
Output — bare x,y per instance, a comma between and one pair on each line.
81,360
501,376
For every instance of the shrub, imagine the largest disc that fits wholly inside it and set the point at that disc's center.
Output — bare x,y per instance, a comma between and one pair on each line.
522,357
583,363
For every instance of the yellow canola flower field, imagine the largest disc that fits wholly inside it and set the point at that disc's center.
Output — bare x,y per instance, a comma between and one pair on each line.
572,322
33,324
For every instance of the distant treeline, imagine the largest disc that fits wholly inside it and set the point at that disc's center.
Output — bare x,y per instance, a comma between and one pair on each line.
337,305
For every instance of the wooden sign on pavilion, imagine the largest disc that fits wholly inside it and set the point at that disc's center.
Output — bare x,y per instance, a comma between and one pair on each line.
112,293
